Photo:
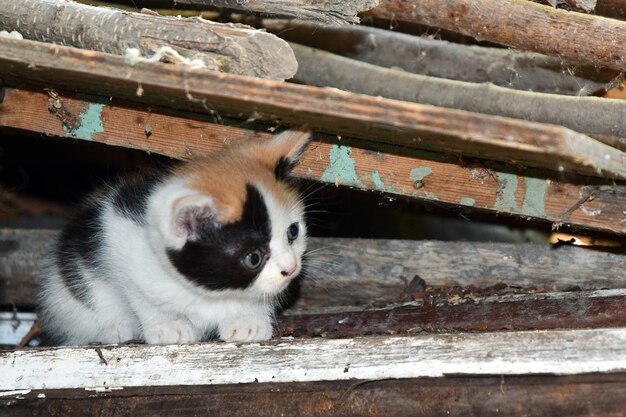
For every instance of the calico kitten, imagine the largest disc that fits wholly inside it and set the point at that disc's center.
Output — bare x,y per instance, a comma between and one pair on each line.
171,258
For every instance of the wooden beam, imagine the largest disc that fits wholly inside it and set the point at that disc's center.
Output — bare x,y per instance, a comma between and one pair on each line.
557,352
332,111
358,272
534,396
574,37
236,49
581,203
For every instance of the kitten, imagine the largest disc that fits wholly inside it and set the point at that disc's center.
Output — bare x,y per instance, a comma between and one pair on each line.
171,258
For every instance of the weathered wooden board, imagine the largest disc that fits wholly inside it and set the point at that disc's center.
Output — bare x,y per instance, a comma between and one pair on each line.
582,203
535,396
353,272
453,311
328,110
558,352
575,37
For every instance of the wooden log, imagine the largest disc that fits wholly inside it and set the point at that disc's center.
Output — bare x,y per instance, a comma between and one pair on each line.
598,117
531,396
519,70
236,49
406,124
579,203
557,352
358,272
574,37
584,5
325,11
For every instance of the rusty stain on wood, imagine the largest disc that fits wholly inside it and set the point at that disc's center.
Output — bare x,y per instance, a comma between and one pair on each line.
392,170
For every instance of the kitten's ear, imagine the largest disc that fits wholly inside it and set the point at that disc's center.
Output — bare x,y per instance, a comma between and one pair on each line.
190,217
284,150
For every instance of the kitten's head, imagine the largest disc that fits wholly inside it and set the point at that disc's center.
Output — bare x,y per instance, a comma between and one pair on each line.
241,225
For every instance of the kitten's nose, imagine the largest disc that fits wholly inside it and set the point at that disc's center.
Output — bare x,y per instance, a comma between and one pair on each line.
287,272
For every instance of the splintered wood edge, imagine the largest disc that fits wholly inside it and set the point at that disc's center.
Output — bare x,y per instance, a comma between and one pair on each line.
328,110
556,352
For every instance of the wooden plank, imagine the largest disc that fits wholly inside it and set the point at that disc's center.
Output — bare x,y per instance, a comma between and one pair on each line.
558,352
236,49
332,111
459,310
357,272
535,396
580,203
574,37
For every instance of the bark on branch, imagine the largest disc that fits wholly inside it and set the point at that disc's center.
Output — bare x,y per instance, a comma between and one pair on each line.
229,48
504,67
575,37
324,11
602,118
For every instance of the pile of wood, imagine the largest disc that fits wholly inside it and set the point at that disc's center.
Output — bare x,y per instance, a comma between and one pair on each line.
388,327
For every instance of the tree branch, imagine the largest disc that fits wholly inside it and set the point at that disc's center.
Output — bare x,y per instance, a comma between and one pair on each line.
599,117
574,37
236,49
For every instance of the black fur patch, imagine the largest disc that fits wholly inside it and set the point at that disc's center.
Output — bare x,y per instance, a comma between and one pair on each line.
283,168
214,260
79,242
130,198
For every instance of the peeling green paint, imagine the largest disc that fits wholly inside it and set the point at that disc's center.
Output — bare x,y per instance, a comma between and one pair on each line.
535,197
380,185
309,171
505,197
341,168
467,201
419,173
431,196
89,122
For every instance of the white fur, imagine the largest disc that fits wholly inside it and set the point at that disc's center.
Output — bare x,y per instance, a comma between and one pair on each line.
139,294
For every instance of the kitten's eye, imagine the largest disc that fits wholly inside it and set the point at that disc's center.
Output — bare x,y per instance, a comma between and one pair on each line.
253,260
292,232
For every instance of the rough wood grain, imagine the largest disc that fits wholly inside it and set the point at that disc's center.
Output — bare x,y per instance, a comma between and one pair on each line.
331,111
558,352
353,272
509,68
575,37
594,116
534,396
235,49
581,203
454,312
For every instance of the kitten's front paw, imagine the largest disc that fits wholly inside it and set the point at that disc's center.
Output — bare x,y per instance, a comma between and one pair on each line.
175,331
246,329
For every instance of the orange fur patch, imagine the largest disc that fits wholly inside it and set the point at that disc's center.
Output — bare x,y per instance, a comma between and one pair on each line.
224,175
